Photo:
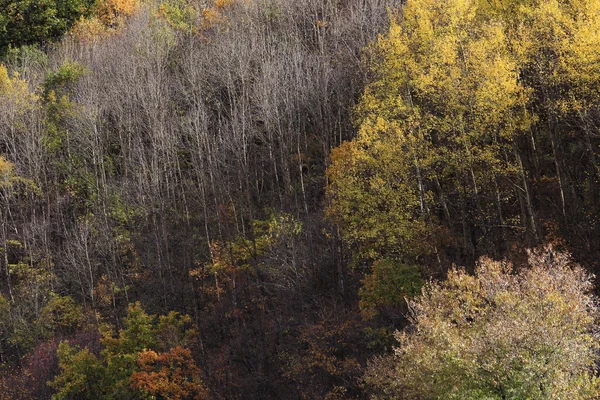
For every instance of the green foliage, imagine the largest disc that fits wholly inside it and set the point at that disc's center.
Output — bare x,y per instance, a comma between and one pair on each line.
61,80
499,334
25,22
389,284
379,339
5,322
180,14
85,376
137,334
242,253
31,280
61,315
158,141
121,212
72,162
32,312
26,59
175,330
82,374
59,110
278,227
120,353
374,199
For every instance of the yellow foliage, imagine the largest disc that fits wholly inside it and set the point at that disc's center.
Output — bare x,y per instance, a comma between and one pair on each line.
6,167
455,85
213,16
14,92
444,105
108,15
113,12
10,180
89,29
5,82
6,172
580,50
220,4
16,100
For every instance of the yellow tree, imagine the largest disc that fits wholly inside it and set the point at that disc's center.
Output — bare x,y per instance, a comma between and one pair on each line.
436,135
566,46
556,44
106,17
17,102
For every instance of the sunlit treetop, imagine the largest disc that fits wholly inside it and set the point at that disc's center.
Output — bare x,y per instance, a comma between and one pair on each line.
504,333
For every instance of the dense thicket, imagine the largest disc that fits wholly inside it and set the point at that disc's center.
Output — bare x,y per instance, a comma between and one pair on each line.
174,157
26,22
477,134
498,335
178,159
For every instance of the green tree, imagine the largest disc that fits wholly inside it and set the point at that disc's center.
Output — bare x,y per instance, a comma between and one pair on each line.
500,334
24,22
387,286
61,315
82,374
124,357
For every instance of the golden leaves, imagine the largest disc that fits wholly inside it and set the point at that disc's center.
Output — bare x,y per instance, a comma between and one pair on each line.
108,16
15,93
6,169
112,12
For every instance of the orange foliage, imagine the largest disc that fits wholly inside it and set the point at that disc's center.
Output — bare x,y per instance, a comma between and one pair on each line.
220,4
212,16
112,12
172,375
108,14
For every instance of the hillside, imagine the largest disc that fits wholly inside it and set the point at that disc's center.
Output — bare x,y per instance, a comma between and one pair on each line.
268,199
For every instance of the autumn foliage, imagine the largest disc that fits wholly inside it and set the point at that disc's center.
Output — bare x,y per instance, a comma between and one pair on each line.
504,333
129,366
169,375
246,199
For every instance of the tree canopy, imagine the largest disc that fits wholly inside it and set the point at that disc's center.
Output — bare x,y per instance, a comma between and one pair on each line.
525,332
25,22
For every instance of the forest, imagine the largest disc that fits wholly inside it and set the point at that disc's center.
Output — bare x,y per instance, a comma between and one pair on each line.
299,199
